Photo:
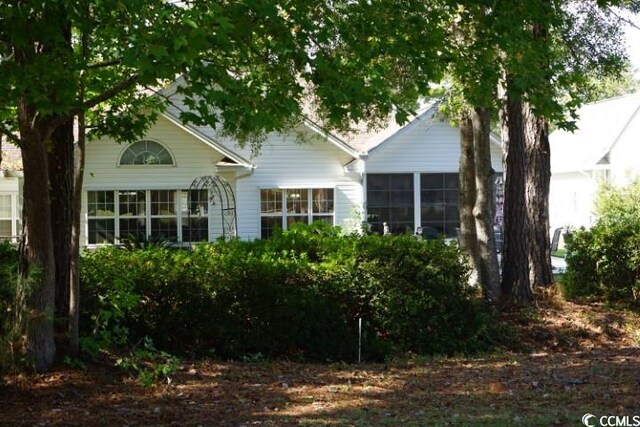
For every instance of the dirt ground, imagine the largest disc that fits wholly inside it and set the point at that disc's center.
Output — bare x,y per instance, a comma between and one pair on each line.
577,359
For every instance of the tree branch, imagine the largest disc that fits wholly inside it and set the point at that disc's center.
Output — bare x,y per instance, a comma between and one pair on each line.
10,135
104,64
110,93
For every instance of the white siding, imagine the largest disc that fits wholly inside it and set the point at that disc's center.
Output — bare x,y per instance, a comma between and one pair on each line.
285,163
428,145
625,153
571,199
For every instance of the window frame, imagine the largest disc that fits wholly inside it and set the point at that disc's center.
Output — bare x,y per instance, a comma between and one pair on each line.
283,214
150,165
445,203
181,215
13,218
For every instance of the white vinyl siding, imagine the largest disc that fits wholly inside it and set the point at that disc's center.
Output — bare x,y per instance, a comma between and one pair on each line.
284,163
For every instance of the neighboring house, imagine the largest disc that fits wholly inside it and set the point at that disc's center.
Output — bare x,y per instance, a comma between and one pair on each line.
404,176
10,192
606,146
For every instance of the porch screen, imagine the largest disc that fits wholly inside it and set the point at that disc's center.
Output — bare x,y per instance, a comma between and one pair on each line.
390,201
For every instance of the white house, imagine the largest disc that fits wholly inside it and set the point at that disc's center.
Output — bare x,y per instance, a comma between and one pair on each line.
405,176
606,146
10,191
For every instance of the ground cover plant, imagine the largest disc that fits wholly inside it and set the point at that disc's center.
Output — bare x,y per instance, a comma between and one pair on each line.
298,295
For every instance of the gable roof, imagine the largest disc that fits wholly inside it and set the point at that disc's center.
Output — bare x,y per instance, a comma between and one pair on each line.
230,156
599,127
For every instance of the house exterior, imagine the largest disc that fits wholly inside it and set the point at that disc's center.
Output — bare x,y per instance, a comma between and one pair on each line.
605,147
10,192
401,177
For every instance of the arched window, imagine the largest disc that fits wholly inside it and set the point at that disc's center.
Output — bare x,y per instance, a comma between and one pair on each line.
146,152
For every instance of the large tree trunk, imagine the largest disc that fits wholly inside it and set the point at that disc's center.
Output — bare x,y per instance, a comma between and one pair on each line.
37,266
60,159
538,177
484,210
467,198
516,287
538,157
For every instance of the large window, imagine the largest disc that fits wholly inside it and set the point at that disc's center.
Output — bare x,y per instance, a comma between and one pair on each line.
139,214
146,153
279,208
439,202
390,200
102,216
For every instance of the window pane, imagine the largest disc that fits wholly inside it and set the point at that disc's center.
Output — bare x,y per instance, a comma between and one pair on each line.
132,203
133,228
322,200
268,224
377,198
101,231
271,201
377,182
164,228
401,181
294,219
451,197
323,218
197,229
5,206
146,153
433,213
431,180
100,203
401,198
297,201
439,202
451,180
195,203
390,199
5,228
163,202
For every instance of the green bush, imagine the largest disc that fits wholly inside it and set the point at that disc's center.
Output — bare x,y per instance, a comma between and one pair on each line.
297,295
604,261
8,283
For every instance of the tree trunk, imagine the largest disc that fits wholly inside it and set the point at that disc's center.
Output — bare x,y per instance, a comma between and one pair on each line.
37,266
60,159
484,210
74,273
467,198
538,177
516,287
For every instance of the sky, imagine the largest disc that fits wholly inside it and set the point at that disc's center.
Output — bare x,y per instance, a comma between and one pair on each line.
633,43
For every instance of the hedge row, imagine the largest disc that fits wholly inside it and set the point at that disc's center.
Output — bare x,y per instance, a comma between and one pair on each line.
298,295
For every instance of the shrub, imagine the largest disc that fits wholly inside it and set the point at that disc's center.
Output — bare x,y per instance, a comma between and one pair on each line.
297,295
604,261
8,283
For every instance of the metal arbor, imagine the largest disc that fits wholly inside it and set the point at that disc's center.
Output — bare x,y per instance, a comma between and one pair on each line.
220,191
